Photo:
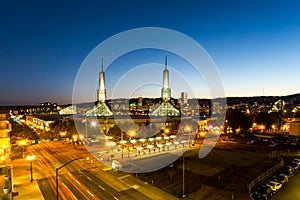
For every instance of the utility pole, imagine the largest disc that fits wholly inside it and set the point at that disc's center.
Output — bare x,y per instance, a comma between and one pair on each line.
56,174
86,137
183,176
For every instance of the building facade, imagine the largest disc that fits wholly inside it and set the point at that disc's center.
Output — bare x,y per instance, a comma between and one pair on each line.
5,129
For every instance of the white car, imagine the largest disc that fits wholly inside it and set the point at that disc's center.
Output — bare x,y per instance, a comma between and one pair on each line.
296,160
274,186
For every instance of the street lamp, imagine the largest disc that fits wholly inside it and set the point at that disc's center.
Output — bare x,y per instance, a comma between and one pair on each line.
122,142
56,174
93,124
139,149
159,146
183,175
188,130
30,158
168,144
150,146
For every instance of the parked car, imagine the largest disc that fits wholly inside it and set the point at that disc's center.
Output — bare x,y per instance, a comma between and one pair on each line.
251,142
274,186
263,191
296,160
294,166
272,144
294,143
287,173
282,178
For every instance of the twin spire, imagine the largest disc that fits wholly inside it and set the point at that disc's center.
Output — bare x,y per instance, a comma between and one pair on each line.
102,64
166,62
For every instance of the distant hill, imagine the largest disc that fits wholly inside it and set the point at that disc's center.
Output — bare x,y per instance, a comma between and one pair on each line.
293,99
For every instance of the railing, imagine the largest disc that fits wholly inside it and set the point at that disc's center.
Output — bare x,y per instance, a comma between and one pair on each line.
264,176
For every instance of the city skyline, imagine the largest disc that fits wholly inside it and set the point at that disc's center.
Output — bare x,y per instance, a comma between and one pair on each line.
253,44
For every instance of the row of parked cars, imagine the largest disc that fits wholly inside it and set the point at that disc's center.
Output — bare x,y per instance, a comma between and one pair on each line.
273,142
266,190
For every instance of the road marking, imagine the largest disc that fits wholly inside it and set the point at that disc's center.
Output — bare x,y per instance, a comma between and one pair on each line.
124,176
90,193
74,196
89,178
78,182
102,188
115,198
135,186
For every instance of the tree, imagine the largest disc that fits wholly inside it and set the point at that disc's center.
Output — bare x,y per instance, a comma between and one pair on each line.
237,119
23,131
115,132
265,119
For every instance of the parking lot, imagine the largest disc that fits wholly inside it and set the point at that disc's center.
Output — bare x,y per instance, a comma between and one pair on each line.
277,180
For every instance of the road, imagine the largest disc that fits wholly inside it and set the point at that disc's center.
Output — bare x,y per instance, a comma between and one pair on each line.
81,179
290,191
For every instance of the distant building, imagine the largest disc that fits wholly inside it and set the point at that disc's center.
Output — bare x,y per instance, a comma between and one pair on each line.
40,122
166,108
184,98
69,110
47,108
295,128
100,109
5,129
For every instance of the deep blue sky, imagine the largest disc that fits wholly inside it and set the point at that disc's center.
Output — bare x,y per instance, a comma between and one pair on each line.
255,44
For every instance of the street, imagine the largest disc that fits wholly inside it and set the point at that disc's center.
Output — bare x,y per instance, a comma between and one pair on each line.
83,178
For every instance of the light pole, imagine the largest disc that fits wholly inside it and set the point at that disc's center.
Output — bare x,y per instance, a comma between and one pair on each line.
56,174
122,143
30,158
183,176
86,138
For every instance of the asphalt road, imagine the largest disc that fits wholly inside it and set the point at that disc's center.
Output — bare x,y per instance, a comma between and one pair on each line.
76,180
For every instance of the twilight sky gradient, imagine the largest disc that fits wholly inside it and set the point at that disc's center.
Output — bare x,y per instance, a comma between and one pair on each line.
255,44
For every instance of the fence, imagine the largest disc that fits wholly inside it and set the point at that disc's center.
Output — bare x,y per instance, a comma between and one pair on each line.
264,176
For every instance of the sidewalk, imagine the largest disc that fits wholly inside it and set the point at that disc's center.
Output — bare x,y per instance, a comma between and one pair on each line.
21,181
28,190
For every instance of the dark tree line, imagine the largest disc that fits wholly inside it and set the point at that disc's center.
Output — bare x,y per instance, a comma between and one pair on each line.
237,119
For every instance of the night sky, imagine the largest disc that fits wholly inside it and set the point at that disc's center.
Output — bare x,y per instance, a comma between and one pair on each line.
254,44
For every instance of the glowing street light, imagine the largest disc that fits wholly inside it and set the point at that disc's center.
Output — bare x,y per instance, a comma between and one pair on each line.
166,137
56,174
93,124
133,141
131,133
139,149
172,136
142,140
168,145
30,158
159,146
183,142
150,146
167,131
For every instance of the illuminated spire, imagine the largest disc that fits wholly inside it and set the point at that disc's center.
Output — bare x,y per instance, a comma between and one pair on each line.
166,74
100,109
166,62
102,63
101,90
166,108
